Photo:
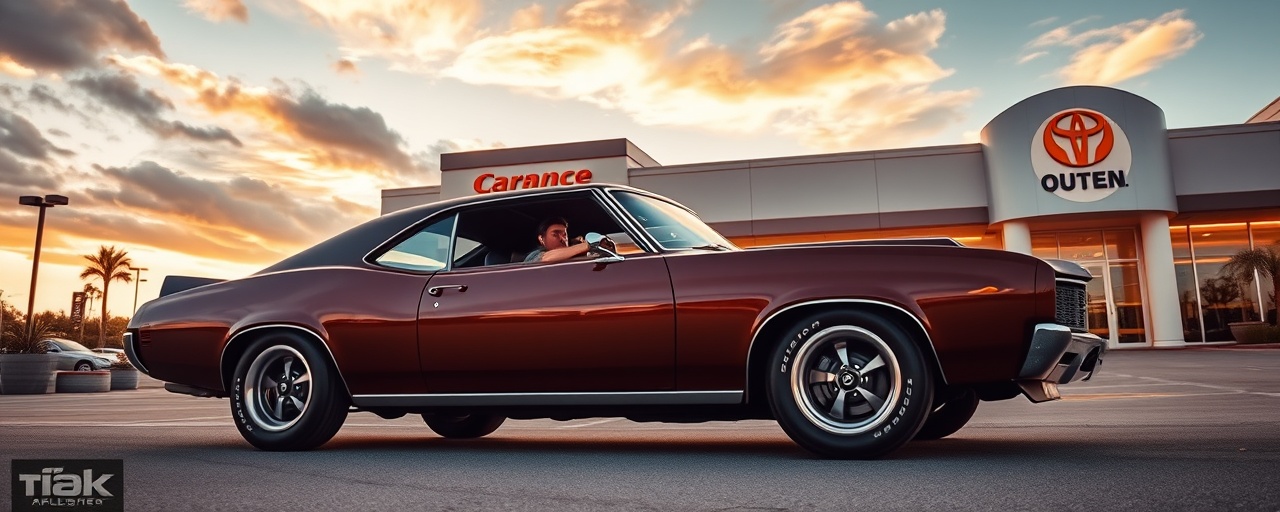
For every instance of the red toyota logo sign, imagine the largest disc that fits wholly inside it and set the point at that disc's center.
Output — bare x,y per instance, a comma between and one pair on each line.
1081,155
1086,135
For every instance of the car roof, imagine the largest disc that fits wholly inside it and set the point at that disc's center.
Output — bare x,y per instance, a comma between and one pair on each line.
349,247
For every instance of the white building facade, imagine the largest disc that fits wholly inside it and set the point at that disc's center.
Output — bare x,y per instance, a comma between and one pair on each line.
1087,174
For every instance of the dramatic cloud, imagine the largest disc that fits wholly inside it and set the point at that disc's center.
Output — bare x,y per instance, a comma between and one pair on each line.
219,10
242,210
336,136
20,137
56,35
835,77
1031,56
123,93
1117,53
415,33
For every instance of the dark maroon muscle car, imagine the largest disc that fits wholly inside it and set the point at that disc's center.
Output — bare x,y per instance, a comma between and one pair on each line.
855,348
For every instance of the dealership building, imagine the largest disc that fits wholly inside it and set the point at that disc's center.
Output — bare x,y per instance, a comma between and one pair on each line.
1087,174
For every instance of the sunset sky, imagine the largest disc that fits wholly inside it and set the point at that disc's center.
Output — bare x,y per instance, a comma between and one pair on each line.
214,137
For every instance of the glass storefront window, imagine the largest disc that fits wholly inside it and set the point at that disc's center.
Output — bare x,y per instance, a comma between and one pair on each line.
1222,299
1121,245
1266,235
1188,302
1081,246
1044,245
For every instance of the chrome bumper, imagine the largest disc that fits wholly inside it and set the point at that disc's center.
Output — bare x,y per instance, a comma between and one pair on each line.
1058,356
131,352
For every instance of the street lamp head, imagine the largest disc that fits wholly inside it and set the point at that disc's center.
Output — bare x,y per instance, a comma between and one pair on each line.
31,201
55,200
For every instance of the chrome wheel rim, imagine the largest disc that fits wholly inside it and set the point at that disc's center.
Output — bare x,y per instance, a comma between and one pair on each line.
845,380
277,388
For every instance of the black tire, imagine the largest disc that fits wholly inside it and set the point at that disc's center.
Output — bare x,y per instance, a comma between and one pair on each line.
468,426
949,415
84,366
270,420
849,385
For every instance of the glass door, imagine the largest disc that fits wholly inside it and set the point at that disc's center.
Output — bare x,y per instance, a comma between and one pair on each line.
1113,302
1125,287
1101,316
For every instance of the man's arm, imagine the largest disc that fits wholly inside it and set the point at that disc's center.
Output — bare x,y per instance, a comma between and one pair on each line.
564,253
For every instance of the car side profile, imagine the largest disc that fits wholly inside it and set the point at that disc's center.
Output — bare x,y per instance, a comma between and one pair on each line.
74,356
854,348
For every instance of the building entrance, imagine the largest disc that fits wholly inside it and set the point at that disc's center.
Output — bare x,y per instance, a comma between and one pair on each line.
1116,303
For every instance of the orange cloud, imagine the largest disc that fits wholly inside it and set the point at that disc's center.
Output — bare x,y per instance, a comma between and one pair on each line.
1117,53
332,135
835,76
219,10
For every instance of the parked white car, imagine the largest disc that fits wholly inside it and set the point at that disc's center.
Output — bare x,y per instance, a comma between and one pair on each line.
74,356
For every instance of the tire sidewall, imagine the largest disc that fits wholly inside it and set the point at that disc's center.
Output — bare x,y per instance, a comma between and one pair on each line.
908,412
323,394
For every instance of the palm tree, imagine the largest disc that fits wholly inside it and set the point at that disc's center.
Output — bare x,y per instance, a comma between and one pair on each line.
91,293
108,265
1264,260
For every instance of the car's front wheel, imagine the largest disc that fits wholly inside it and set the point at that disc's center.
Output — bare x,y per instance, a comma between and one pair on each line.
84,366
467,426
849,384
286,396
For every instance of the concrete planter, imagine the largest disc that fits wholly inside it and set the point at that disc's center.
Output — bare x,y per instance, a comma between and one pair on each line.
27,374
124,378
98,381
1249,332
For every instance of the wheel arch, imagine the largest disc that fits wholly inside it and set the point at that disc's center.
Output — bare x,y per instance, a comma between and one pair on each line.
235,347
772,328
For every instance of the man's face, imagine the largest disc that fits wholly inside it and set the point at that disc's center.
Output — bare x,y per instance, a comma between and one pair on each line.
557,236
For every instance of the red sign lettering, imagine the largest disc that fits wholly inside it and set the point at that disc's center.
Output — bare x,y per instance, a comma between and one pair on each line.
489,182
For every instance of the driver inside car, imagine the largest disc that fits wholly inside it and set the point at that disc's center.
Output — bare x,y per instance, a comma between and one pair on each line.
553,243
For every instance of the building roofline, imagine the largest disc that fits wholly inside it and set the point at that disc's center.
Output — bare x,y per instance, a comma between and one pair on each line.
546,153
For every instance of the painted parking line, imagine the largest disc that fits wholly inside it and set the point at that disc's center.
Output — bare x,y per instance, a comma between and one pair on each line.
1124,396
589,423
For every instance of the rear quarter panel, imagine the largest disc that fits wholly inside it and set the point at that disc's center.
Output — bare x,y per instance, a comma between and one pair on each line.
977,306
366,317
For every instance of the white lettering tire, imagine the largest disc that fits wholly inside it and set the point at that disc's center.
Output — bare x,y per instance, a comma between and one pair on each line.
849,385
285,395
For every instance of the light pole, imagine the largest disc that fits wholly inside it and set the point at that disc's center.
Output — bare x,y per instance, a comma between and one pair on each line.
2,345
47,201
137,281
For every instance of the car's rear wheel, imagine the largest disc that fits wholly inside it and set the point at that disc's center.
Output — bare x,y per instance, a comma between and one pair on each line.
84,366
286,396
949,415
849,384
466,426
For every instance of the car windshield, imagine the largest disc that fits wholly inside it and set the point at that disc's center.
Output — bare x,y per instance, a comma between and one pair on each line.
71,346
672,226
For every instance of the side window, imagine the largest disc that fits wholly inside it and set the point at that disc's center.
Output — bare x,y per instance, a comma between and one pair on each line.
425,251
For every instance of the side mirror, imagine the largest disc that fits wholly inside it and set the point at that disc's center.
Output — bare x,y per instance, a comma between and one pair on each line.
603,246
52,350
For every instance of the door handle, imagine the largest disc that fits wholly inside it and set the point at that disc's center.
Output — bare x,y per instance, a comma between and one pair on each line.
436,291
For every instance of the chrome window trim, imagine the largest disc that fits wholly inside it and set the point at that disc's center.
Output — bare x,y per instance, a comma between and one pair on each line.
630,223
756,335
551,399
223,356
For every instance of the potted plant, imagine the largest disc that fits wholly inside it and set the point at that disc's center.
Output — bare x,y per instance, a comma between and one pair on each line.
123,374
25,368
1265,262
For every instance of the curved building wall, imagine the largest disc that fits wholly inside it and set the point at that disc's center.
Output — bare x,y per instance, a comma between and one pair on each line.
1077,150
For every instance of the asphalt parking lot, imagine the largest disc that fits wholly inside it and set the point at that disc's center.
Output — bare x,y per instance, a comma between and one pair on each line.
1195,429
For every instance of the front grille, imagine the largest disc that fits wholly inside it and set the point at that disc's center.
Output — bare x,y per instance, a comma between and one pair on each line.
1069,307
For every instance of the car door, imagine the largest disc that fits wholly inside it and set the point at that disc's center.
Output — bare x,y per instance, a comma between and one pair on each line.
576,326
